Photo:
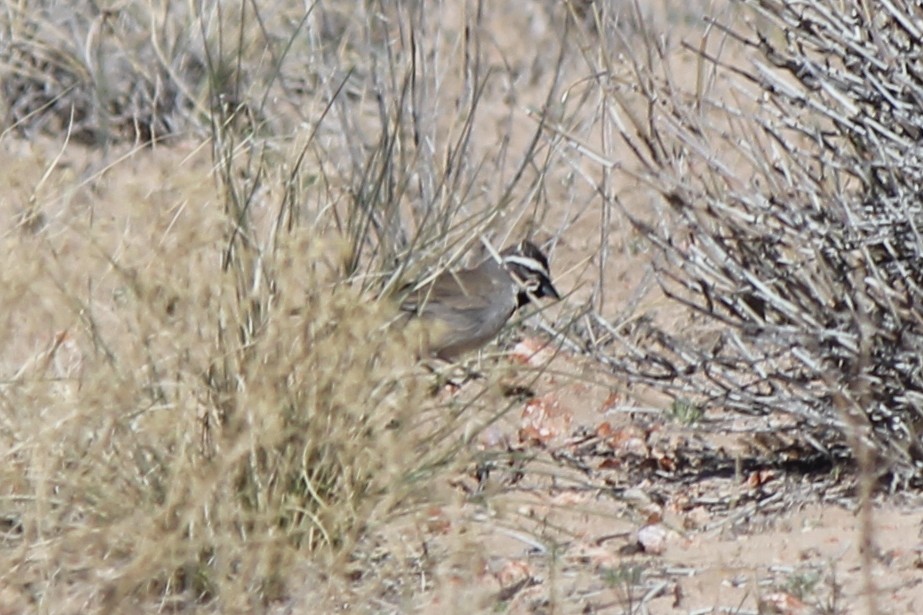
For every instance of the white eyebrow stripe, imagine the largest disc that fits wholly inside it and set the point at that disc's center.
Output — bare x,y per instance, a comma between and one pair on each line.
529,263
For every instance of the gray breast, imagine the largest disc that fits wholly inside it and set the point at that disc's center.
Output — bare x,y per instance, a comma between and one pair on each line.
469,309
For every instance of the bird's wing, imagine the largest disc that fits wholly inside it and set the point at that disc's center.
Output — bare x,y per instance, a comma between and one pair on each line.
452,290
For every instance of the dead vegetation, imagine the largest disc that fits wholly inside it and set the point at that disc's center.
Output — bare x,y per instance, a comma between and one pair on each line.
202,404
793,179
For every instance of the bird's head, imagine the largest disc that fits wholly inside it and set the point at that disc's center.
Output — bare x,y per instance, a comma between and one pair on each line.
529,265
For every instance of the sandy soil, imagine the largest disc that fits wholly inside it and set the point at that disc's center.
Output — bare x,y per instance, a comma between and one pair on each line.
609,511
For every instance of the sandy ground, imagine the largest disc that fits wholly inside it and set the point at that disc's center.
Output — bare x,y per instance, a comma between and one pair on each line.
592,497
606,511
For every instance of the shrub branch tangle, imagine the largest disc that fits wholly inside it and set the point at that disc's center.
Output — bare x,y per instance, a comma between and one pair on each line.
801,215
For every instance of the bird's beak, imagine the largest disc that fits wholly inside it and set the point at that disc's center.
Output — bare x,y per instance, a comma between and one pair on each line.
547,290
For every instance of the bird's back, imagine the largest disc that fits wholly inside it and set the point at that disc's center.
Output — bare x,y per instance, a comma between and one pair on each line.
464,309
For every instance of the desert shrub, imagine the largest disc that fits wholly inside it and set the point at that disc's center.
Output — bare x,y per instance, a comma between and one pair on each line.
792,175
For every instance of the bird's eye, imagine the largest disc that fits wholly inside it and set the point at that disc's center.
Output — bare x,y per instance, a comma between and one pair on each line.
533,285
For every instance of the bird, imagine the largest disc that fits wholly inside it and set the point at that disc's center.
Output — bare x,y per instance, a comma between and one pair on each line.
463,310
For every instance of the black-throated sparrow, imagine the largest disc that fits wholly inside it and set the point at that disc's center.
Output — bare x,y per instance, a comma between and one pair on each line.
463,310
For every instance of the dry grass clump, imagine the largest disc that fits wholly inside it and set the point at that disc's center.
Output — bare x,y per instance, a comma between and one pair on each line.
793,173
156,450
142,71
128,73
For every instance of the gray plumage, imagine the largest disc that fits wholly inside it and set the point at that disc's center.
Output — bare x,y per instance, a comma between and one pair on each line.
466,309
